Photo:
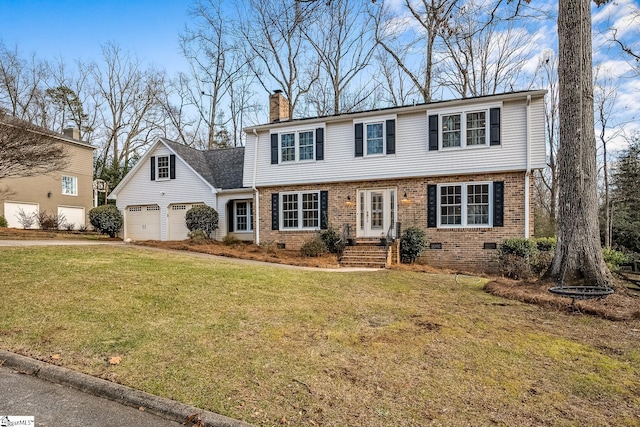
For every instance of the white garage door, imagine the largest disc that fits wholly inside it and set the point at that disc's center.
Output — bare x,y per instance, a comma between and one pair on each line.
177,226
72,216
14,211
143,222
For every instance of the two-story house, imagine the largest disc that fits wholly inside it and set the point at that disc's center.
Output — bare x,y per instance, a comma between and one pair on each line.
67,193
461,170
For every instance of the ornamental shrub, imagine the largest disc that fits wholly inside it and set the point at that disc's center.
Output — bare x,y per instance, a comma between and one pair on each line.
331,239
314,247
3,221
198,237
107,219
614,258
517,257
546,244
202,217
412,243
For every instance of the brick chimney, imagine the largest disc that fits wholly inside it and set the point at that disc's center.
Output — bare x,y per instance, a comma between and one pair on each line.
279,107
71,132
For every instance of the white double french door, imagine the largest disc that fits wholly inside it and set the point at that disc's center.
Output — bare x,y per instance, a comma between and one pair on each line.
376,212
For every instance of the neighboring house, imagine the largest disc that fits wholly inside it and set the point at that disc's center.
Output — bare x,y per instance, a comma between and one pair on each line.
170,179
67,193
460,170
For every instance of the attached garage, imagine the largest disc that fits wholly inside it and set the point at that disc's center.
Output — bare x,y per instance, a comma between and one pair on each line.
13,212
142,222
72,216
177,225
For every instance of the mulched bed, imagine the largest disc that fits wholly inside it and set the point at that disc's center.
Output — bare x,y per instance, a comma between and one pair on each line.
622,305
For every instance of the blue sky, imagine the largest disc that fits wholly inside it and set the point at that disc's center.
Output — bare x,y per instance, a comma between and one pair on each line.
75,29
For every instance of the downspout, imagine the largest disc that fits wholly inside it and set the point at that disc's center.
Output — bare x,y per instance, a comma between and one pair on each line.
255,190
527,174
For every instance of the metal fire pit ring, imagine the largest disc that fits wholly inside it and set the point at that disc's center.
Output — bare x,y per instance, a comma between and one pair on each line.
581,292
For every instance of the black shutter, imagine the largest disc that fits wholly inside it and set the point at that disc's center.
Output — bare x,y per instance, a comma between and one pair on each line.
320,144
230,209
324,210
498,204
494,126
391,136
274,148
275,211
359,140
153,168
172,166
433,132
432,204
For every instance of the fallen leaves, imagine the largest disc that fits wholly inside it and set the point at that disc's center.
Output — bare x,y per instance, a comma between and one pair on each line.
115,360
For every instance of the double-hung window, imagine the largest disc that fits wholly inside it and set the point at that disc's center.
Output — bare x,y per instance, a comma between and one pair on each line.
162,166
297,146
375,138
300,210
464,129
464,205
243,216
70,185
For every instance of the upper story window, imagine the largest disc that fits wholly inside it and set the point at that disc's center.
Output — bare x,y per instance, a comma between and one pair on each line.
163,167
301,145
375,138
464,129
70,185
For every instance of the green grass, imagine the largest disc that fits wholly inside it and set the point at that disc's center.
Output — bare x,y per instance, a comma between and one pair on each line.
270,345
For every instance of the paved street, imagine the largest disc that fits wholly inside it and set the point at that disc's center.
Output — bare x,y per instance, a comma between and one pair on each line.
55,405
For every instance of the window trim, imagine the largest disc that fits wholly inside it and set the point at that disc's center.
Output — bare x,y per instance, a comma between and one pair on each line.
75,185
463,206
168,167
249,216
463,129
299,211
296,145
372,121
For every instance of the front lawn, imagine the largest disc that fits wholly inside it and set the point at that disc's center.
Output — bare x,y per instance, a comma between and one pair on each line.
274,346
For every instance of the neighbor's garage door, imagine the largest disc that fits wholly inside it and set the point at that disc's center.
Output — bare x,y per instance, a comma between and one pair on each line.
143,222
72,216
177,225
12,212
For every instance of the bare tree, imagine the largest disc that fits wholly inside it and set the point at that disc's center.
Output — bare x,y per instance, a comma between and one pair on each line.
343,44
395,87
21,85
28,150
129,96
276,49
483,57
176,100
405,37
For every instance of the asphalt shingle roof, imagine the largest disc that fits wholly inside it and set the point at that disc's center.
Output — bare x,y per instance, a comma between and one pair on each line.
221,168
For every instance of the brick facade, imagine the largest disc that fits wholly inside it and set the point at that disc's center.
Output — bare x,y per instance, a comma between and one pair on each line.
461,248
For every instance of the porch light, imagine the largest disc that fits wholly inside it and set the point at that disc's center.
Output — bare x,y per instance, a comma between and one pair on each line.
405,200
348,202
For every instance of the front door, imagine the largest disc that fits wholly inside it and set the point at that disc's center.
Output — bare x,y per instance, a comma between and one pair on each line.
376,212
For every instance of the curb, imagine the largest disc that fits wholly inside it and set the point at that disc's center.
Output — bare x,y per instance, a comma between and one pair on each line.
166,408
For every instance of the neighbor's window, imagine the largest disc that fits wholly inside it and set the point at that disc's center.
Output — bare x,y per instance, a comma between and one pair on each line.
375,138
464,205
162,163
300,210
70,185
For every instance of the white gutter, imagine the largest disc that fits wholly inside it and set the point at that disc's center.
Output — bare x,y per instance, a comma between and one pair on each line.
255,190
527,174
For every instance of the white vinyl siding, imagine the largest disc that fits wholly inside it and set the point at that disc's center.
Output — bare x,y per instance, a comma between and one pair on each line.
412,157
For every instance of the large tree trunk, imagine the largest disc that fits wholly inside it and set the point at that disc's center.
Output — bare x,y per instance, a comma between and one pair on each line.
578,258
